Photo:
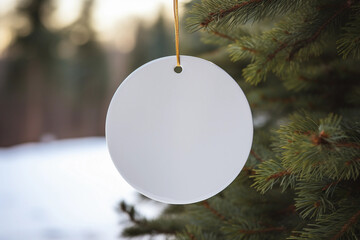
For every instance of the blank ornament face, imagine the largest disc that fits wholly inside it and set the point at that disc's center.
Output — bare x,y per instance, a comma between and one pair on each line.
179,138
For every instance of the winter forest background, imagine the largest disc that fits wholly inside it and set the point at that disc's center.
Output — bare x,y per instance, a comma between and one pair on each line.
57,76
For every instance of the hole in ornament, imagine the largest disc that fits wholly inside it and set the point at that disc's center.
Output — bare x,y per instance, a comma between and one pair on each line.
178,69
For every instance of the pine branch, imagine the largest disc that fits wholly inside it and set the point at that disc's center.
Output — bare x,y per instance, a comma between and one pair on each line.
211,14
131,213
302,43
313,199
165,224
224,12
271,172
349,223
252,152
349,43
309,179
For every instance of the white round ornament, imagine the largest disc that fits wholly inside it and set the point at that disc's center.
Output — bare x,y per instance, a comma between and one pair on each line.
179,138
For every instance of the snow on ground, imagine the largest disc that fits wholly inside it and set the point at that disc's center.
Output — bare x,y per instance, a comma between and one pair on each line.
66,190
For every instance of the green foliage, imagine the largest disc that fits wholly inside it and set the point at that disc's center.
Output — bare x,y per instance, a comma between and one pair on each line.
166,224
272,172
341,225
302,178
348,44
320,161
317,148
225,217
302,30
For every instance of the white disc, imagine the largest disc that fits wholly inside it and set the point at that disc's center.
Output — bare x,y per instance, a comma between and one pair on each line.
179,137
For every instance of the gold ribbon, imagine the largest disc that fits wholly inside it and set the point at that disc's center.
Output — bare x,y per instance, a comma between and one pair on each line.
176,16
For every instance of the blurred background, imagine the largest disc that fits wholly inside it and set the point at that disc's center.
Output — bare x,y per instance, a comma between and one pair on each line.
60,63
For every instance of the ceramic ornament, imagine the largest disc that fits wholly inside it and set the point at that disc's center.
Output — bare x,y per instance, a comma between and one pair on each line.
179,138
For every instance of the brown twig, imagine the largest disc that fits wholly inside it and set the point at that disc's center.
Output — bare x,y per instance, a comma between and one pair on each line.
223,35
249,49
252,152
348,145
329,185
191,236
248,170
272,55
278,175
216,213
350,162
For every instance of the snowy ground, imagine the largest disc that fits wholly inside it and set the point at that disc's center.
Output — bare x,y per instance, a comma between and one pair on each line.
64,190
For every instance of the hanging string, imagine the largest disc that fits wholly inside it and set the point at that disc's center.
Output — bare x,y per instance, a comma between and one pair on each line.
176,16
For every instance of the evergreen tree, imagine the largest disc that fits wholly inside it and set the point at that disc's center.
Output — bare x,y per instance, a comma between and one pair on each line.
54,81
152,41
86,79
157,40
298,63
29,70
